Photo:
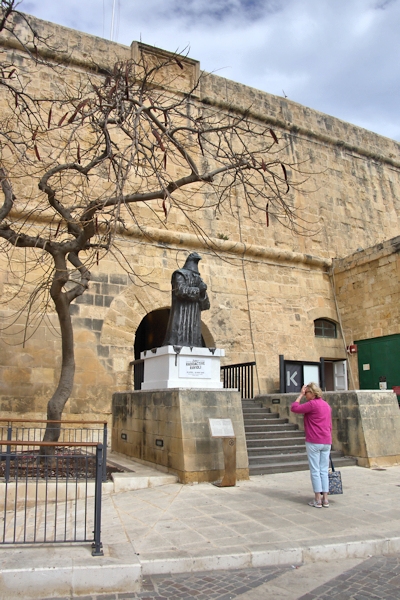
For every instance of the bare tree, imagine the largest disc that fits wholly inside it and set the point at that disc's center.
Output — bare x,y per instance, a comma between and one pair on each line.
76,167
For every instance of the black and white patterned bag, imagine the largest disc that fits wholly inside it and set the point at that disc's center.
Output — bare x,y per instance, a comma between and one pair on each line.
335,480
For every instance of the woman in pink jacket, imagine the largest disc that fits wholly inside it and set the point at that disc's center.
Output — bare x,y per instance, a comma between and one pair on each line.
318,429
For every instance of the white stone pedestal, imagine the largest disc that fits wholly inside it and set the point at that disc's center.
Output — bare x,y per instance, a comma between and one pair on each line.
191,368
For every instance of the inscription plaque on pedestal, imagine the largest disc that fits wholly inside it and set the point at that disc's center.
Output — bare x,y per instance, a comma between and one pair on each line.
221,428
194,367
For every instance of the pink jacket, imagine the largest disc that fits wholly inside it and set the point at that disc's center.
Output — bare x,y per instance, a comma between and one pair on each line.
317,420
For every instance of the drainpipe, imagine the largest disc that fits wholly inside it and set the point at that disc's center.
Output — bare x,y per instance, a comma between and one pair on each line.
332,280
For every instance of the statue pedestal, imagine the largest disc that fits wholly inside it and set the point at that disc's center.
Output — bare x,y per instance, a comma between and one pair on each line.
171,429
184,368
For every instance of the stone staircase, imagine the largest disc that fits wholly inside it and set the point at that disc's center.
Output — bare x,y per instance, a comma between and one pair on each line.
276,446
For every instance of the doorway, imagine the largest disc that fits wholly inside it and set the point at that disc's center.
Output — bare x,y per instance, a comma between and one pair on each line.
151,331
335,375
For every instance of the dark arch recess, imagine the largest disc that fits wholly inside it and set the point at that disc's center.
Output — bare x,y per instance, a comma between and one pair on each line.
151,331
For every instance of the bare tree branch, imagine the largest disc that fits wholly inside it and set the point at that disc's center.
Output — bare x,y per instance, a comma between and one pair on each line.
76,161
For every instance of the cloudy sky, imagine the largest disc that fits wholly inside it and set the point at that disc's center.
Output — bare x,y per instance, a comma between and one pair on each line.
337,56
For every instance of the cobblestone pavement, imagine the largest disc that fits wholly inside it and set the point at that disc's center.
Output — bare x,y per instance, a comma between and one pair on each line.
375,578
210,585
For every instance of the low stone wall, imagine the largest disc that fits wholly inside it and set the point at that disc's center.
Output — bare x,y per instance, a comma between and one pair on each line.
178,419
365,424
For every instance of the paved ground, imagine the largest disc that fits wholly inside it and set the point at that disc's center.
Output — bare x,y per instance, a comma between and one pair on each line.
264,523
202,527
374,578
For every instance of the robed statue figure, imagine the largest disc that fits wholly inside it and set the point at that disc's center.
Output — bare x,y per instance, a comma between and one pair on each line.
189,298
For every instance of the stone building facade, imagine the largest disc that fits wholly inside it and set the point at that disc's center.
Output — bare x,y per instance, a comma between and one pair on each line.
267,286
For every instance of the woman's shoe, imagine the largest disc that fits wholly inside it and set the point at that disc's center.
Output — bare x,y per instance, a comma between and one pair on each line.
315,504
325,504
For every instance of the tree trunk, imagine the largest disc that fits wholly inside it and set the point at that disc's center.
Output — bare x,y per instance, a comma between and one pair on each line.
63,391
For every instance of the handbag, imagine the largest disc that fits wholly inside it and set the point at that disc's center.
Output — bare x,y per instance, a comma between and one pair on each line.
335,480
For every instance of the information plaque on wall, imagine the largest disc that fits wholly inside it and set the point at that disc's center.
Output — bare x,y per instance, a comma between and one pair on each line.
221,428
198,367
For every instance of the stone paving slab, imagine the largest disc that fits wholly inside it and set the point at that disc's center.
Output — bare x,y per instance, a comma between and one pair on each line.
262,518
178,528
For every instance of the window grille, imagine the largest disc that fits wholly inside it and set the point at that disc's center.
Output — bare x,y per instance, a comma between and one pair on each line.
325,328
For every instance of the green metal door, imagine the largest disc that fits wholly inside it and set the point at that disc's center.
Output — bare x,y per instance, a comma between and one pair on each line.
379,358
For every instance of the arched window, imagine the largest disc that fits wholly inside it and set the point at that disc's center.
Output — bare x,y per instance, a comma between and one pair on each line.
325,328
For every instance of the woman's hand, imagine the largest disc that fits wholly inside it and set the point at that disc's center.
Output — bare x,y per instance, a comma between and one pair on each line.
302,393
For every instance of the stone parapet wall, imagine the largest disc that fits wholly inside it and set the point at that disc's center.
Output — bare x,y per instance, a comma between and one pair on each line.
365,424
349,197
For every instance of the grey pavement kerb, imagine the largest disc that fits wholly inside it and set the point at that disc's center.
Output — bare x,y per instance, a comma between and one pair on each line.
183,528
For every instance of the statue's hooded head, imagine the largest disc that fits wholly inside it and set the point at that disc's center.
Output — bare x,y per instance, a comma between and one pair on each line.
192,262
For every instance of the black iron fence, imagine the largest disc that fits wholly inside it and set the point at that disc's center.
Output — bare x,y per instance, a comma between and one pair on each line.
239,376
32,430
51,493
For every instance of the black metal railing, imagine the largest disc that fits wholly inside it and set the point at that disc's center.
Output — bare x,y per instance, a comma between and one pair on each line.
32,430
239,376
138,373
51,493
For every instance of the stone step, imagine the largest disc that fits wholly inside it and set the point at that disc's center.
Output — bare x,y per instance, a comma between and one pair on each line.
261,436
295,465
266,459
270,428
257,410
264,421
278,468
275,441
264,450
276,446
287,456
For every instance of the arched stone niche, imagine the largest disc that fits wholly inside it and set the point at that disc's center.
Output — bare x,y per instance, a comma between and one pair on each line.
129,309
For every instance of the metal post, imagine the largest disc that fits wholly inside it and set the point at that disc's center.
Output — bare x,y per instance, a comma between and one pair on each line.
8,454
105,452
322,373
282,386
97,545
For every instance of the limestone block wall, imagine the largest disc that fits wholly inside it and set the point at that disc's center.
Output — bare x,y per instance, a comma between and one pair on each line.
259,309
266,285
365,424
367,286
350,196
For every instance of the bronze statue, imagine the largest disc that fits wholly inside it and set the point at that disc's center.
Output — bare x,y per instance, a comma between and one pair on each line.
189,298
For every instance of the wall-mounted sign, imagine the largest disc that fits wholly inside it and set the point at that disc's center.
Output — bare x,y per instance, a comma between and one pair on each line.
199,368
297,373
293,376
221,428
